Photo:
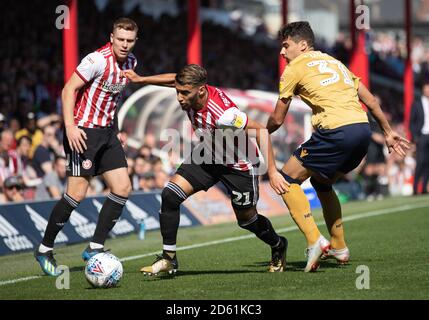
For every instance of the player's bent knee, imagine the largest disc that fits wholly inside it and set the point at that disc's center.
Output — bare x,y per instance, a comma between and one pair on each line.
245,214
172,196
319,186
123,191
78,195
248,223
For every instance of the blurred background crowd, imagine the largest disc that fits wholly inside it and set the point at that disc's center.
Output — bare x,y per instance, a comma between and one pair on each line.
32,163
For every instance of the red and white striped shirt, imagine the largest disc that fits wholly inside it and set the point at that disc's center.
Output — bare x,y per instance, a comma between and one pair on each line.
96,102
221,113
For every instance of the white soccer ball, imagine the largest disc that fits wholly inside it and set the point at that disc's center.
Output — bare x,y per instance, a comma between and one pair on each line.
103,270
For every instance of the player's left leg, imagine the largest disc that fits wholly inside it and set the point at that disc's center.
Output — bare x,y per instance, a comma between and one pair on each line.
119,184
333,218
244,190
110,162
261,226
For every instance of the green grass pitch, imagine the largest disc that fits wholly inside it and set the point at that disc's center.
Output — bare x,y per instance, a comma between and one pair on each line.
389,237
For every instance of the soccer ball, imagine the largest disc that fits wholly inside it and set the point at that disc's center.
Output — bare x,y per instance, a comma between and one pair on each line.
103,270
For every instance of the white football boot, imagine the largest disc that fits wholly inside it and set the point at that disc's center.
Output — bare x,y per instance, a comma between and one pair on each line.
341,255
314,252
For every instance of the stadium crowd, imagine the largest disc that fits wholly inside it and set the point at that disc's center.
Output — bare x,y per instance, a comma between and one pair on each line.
32,163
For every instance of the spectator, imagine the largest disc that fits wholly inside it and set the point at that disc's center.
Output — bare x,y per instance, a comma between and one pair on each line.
6,143
2,122
161,180
146,153
375,168
419,127
46,152
141,166
30,129
12,190
19,162
400,174
147,181
54,182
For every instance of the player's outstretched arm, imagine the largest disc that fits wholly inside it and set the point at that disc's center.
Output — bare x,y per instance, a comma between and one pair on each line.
76,137
278,116
394,141
278,183
165,79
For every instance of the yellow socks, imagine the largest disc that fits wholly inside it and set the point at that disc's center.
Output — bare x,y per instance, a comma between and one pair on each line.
332,214
300,211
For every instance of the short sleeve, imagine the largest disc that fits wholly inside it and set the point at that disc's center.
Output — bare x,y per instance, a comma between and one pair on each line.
91,66
233,119
288,82
356,80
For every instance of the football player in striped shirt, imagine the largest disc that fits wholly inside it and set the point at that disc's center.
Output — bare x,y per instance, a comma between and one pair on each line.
92,143
212,112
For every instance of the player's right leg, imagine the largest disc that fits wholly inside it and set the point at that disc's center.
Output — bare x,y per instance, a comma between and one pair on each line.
189,178
176,191
75,193
299,206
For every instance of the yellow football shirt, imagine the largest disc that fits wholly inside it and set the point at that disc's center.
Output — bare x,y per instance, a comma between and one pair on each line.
327,86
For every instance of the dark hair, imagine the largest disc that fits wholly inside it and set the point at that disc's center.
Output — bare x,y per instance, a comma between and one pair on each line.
18,143
59,157
126,24
192,74
300,30
13,181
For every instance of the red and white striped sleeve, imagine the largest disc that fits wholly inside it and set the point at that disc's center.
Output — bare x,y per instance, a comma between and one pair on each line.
91,66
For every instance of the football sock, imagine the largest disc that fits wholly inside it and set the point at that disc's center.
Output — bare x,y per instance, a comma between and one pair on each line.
44,249
262,228
169,216
109,215
170,254
332,214
299,208
59,217
94,245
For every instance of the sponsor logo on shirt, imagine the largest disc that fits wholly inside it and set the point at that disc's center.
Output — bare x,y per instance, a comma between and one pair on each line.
237,121
112,88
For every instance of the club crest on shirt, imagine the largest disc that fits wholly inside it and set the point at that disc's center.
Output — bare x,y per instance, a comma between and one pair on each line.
87,164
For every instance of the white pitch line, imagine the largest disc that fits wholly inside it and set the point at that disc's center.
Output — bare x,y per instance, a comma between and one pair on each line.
18,280
249,236
291,228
